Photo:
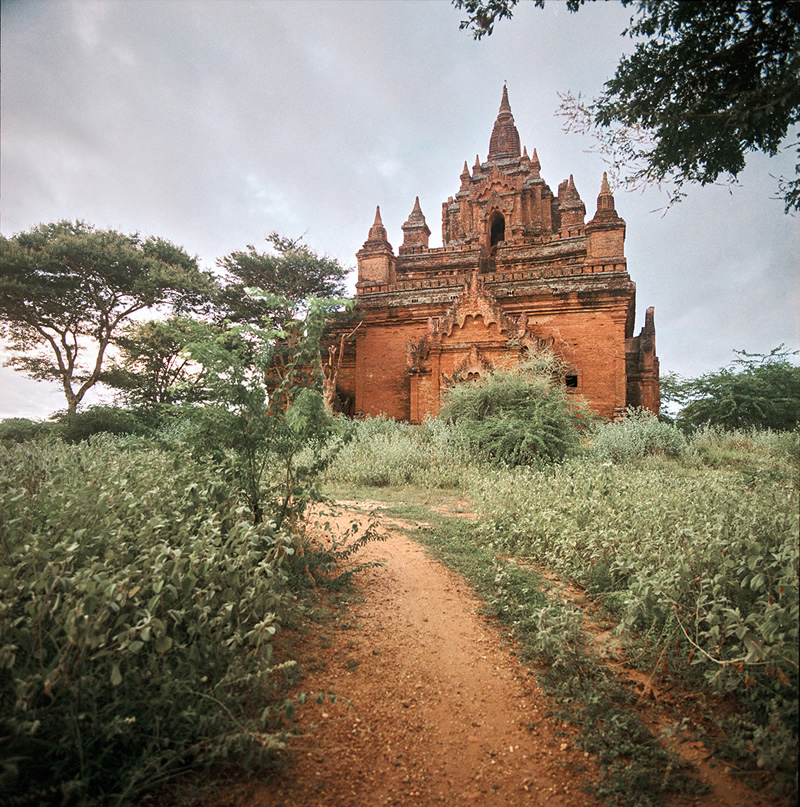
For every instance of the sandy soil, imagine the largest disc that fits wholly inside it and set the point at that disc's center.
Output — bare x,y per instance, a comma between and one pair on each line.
432,706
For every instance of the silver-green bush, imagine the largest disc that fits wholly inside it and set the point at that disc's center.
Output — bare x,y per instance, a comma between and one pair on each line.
137,608
640,434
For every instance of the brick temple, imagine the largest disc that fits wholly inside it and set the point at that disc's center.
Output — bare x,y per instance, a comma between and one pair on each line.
520,268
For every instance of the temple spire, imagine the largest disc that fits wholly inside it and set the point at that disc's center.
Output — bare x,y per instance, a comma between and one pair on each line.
504,105
415,231
376,258
606,211
377,232
504,143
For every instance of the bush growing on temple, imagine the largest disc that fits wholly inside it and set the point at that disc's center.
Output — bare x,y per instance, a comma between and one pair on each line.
519,416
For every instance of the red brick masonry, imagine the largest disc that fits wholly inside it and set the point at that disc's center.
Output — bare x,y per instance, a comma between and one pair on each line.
519,268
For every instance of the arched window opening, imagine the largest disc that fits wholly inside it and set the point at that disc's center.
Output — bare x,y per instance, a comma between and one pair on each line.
498,232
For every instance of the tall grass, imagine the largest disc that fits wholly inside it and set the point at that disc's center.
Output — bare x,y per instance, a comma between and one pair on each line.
383,452
702,564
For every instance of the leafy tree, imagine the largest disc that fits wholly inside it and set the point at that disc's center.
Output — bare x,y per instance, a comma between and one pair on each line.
265,404
66,288
152,367
756,391
292,272
521,416
711,82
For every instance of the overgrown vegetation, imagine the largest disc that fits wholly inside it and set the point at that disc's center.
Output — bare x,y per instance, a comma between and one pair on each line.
518,416
138,608
149,556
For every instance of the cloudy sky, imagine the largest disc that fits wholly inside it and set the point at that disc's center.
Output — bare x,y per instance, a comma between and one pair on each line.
214,122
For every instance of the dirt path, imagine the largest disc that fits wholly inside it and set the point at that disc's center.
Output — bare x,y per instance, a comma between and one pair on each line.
431,707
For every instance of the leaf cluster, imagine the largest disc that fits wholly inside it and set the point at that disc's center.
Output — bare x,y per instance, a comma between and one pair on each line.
264,405
711,82
291,272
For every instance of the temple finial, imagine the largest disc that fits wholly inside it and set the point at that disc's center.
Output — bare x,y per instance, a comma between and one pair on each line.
505,106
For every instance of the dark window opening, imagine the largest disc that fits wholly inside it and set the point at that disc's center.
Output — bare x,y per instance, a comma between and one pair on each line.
498,229
571,381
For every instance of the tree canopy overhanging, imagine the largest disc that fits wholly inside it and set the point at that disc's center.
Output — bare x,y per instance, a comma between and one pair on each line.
707,83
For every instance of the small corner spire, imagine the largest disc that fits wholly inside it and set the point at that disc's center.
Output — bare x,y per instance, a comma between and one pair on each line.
377,232
415,230
606,210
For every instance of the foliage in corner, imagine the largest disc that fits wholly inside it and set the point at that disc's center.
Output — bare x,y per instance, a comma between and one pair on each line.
138,606
757,390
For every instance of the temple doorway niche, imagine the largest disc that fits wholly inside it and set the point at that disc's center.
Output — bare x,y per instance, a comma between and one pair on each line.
497,231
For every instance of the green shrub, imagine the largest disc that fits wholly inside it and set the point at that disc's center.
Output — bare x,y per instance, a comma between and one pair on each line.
137,608
640,434
19,430
518,417
102,420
